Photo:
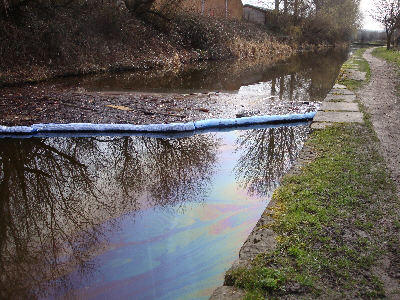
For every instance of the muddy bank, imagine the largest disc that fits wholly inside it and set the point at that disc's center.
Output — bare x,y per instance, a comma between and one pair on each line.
70,106
218,90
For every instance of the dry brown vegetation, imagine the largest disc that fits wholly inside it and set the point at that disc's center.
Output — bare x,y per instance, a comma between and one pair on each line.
39,43
41,39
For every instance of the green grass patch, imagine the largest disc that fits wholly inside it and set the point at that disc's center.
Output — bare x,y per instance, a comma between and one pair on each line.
355,62
328,222
389,55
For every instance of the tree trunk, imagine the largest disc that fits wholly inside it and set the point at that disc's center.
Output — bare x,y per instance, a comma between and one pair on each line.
388,40
5,4
276,5
281,87
285,6
395,38
291,87
273,87
296,8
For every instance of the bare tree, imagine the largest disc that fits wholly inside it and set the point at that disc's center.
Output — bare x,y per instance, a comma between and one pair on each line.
387,12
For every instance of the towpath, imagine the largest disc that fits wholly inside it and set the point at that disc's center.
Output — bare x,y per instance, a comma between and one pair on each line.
381,97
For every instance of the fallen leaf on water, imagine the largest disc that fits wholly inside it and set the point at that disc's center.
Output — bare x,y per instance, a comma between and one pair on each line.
120,107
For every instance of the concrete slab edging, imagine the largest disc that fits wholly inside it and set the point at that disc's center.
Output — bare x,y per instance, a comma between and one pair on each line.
339,106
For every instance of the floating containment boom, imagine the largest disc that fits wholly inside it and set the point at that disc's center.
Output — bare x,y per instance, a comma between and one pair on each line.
160,128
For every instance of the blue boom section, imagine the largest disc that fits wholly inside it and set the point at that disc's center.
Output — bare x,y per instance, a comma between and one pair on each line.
153,128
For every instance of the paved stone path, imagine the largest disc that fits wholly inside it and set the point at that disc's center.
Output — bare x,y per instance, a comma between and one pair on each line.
339,106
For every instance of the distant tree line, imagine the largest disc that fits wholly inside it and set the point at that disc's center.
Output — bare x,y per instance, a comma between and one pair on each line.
316,20
367,36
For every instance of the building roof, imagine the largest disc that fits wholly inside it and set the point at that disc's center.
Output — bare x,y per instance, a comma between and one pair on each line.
256,8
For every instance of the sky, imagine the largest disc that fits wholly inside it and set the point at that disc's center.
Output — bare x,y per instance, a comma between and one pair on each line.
369,23
366,5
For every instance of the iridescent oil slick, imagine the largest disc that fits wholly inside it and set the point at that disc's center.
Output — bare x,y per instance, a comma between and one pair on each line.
134,217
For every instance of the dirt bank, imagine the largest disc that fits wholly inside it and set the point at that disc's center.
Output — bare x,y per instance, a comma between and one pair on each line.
227,89
91,37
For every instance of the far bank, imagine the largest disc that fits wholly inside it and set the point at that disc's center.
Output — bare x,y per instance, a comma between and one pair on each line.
43,41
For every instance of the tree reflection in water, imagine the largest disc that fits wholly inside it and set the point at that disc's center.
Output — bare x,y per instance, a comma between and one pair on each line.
315,73
55,194
267,155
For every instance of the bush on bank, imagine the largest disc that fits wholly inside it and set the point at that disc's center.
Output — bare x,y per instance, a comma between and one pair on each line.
392,55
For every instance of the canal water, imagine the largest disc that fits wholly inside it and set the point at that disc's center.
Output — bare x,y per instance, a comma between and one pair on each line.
146,216
134,217
304,77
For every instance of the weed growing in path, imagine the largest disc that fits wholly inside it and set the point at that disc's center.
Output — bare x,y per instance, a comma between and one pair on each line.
356,62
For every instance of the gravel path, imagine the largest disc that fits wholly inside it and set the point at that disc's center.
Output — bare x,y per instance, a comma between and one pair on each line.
383,103
380,97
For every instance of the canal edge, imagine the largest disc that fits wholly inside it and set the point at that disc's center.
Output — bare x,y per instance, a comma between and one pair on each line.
339,106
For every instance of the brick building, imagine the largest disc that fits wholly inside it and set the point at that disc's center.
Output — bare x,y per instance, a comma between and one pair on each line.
218,8
255,14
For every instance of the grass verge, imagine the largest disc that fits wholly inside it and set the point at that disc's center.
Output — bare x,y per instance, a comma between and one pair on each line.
356,62
389,55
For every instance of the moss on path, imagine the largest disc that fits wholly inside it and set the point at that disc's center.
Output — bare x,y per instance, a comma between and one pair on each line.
358,63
